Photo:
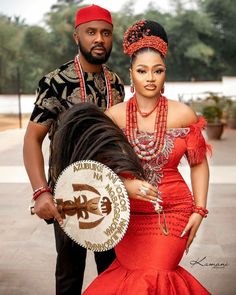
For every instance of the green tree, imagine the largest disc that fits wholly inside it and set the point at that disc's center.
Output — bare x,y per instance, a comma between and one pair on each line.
120,62
190,56
11,38
223,17
60,22
201,41
35,58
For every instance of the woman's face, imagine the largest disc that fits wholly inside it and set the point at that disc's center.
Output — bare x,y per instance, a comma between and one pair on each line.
148,74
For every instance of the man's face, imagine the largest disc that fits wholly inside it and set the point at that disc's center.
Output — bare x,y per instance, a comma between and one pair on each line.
95,41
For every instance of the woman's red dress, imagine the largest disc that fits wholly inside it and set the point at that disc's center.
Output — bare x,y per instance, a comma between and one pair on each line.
147,261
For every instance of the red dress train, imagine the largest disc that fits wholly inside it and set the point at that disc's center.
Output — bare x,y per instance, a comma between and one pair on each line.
147,261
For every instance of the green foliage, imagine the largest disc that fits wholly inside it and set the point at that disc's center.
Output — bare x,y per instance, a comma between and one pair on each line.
223,17
201,42
212,113
215,108
11,39
232,111
60,21
200,52
35,56
190,57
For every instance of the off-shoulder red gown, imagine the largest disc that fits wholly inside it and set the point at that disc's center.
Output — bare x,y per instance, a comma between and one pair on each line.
147,260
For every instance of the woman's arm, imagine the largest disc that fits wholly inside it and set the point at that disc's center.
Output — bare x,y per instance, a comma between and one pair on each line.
200,182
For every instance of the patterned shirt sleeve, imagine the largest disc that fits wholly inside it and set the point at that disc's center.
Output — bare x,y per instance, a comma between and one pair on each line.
118,91
47,105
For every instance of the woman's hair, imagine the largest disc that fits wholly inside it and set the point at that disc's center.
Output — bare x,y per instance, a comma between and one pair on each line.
145,34
86,133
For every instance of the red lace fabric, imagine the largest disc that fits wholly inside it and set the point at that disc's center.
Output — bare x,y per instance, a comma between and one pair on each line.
162,172
196,144
147,260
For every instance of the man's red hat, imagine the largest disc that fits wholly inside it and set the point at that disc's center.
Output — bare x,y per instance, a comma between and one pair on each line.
92,13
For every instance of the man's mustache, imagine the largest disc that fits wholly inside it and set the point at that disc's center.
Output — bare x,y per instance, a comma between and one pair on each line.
98,47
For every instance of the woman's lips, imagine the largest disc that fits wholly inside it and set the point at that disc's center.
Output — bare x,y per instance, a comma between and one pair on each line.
150,87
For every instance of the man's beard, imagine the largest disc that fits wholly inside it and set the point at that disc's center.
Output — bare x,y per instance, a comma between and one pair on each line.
94,60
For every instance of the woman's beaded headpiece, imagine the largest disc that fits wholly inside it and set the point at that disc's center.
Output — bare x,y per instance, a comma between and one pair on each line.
145,34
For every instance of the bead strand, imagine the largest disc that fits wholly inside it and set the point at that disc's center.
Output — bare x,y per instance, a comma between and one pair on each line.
40,191
83,94
201,210
154,148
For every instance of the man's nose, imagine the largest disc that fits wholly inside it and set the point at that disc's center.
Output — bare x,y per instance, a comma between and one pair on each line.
99,38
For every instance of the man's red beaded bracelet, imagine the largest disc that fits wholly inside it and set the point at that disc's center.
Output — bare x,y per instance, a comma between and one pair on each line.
40,191
200,210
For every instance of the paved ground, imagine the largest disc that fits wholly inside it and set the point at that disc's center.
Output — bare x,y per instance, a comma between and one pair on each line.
27,251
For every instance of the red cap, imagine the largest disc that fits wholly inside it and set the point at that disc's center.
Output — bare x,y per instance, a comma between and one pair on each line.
92,13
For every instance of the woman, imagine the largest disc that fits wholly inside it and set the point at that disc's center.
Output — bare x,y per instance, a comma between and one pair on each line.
161,131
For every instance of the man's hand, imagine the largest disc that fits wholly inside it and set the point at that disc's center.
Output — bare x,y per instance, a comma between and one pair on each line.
45,208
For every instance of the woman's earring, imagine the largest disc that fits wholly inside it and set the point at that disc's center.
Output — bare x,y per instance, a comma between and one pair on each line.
162,90
131,87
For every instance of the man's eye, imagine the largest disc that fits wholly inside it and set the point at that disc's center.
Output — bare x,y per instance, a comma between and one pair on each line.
106,34
91,32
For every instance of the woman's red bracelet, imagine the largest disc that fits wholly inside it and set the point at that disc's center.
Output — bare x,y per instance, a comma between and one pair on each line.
127,175
200,210
40,191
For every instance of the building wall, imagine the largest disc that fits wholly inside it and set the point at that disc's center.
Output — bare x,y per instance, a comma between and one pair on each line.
173,90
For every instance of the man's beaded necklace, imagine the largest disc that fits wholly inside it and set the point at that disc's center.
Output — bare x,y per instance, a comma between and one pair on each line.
83,93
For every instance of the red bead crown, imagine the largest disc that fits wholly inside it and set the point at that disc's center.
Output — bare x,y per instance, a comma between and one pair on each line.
137,37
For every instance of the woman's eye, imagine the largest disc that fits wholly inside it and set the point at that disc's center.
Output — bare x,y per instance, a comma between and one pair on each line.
141,71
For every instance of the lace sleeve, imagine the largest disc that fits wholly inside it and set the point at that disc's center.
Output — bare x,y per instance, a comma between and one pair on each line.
197,148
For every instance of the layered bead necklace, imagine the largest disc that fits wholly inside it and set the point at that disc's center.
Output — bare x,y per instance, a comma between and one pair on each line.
83,93
148,151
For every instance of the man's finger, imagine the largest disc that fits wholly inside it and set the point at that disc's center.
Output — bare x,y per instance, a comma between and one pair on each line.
57,216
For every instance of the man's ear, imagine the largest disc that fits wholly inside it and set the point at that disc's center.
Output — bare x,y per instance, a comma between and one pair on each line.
76,37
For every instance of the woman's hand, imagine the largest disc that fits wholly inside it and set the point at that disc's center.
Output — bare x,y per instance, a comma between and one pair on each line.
141,190
192,228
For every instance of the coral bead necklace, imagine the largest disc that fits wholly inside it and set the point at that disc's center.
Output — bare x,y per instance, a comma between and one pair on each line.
146,114
148,151
83,93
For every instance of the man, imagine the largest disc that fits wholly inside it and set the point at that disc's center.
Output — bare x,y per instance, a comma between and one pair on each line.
85,79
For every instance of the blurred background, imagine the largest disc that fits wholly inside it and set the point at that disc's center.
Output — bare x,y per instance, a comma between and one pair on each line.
36,38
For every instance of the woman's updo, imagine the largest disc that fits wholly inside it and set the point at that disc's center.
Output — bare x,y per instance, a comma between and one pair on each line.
145,34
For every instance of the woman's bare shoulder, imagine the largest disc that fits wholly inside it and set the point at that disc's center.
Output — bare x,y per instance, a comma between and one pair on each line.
117,112
182,113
